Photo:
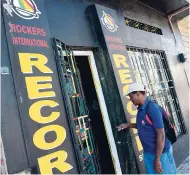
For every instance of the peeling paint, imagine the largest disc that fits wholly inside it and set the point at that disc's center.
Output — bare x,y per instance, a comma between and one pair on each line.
8,8
4,70
3,167
20,98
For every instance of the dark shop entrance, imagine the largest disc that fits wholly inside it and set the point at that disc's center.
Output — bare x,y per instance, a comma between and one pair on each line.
81,92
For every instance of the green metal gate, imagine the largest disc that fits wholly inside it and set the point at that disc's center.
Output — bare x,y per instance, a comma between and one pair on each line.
77,111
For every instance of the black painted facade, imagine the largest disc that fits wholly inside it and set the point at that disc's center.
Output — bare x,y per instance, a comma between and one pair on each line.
69,21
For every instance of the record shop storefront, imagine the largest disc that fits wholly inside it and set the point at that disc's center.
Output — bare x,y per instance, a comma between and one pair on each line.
69,91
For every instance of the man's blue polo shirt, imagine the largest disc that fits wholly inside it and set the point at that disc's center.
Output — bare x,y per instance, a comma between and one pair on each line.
147,132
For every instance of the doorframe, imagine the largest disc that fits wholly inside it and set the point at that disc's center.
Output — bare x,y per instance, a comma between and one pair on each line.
103,108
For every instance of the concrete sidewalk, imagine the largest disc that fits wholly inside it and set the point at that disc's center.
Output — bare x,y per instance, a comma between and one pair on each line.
184,167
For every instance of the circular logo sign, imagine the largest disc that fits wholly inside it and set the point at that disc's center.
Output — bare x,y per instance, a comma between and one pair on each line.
109,22
26,9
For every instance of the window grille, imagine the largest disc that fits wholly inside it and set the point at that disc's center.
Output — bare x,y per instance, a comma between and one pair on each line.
151,68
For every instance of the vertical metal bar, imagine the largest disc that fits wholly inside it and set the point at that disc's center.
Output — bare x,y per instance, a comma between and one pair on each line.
156,60
138,65
145,72
152,66
162,74
79,83
80,101
83,97
134,67
73,73
76,103
162,91
142,58
173,101
178,111
161,66
67,106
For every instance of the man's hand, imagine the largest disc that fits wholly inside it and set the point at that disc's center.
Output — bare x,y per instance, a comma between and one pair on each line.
159,149
123,126
157,166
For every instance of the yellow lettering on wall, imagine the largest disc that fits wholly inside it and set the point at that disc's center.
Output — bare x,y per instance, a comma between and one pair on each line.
130,108
125,77
120,60
125,89
133,120
35,111
139,145
46,165
39,137
33,87
26,62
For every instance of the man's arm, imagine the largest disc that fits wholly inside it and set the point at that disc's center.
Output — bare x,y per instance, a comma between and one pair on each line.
159,149
126,125
158,124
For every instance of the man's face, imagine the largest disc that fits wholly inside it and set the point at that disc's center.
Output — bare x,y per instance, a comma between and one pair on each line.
135,98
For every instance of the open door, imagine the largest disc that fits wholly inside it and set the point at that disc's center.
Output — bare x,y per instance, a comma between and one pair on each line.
90,138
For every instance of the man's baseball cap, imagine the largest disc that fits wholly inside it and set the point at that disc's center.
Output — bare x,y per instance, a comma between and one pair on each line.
134,87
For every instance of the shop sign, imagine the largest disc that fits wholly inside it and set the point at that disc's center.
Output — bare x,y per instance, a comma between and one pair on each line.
44,122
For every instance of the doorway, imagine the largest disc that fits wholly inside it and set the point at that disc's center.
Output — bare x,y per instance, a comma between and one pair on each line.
101,127
86,110
98,130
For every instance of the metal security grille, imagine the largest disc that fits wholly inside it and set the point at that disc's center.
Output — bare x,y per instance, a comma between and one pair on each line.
128,161
77,112
142,26
150,68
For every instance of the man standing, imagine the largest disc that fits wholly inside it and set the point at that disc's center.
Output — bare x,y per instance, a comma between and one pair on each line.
158,156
